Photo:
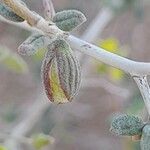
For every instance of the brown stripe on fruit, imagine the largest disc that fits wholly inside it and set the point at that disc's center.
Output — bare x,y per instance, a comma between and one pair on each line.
46,80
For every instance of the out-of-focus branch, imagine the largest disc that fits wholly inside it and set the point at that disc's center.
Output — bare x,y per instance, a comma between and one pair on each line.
21,139
98,24
108,86
33,114
49,10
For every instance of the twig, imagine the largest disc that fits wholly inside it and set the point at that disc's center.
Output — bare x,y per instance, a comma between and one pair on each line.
33,19
129,66
93,31
144,88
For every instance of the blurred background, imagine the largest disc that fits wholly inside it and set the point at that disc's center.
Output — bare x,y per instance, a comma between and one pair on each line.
27,121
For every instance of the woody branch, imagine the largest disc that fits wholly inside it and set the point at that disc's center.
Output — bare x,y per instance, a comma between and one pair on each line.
138,69
129,66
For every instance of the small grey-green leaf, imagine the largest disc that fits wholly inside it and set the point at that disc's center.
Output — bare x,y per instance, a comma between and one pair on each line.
7,13
126,125
67,20
33,44
145,140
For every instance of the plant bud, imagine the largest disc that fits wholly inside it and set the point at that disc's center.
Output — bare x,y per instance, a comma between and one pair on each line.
33,44
145,140
7,13
60,72
67,20
126,125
